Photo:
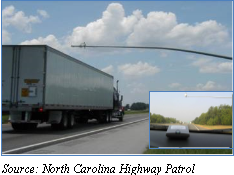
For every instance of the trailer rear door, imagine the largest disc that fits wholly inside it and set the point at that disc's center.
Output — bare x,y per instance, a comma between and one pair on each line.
7,63
26,69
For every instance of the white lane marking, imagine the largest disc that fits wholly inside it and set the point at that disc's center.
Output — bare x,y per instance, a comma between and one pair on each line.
196,127
77,135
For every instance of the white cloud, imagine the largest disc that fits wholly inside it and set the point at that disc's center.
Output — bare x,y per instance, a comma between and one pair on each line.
17,19
43,13
104,30
156,28
152,29
139,69
200,34
6,37
50,40
11,17
8,11
109,69
162,29
209,66
174,85
201,62
208,86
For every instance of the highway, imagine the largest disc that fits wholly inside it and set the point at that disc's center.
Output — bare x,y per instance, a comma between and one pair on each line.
196,128
128,137
165,126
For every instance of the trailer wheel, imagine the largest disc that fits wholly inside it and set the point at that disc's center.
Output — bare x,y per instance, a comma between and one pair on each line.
110,117
64,122
101,119
71,121
107,119
31,126
24,126
83,120
55,126
121,117
17,126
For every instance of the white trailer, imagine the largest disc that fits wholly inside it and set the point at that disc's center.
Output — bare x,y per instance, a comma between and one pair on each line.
41,84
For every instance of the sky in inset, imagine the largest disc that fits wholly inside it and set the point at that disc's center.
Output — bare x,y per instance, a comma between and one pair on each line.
186,109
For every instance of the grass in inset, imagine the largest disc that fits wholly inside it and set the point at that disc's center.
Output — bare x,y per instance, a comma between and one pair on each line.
215,126
188,151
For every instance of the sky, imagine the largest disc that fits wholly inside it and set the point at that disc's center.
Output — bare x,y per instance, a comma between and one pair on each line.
186,109
185,25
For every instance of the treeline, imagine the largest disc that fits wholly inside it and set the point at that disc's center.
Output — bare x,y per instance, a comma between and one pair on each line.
137,106
218,115
157,118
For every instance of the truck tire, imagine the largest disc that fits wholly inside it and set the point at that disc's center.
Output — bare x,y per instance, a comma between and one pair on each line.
107,119
121,118
101,119
55,126
64,122
110,117
17,126
24,126
31,126
83,120
71,121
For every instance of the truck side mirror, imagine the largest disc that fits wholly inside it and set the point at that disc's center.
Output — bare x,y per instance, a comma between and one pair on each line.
121,99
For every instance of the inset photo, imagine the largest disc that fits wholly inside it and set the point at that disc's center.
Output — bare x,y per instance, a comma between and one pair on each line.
191,119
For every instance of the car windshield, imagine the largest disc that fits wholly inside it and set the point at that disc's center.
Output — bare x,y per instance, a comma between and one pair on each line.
202,112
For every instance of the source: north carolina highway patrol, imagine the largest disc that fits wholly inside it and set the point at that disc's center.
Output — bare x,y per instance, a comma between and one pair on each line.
98,169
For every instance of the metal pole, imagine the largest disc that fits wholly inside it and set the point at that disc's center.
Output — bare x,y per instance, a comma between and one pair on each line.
206,96
161,48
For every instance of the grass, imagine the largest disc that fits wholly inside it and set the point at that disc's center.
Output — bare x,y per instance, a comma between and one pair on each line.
5,119
215,126
188,151
136,112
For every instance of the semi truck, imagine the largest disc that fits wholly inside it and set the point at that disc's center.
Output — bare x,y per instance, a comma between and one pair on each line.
43,85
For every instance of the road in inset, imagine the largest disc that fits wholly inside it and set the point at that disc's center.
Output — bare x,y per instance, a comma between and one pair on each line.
195,127
159,139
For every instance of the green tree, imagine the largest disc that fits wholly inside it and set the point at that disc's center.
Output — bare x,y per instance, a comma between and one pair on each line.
139,106
127,107
218,115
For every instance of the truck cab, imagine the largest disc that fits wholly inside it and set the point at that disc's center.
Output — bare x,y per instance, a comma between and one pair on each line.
118,109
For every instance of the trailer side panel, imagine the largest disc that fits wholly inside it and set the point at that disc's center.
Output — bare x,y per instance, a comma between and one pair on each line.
73,84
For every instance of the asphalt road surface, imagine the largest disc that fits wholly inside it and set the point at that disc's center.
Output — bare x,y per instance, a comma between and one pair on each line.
165,126
92,138
194,127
